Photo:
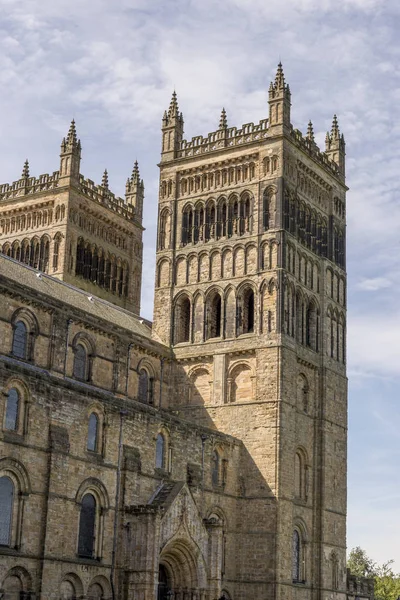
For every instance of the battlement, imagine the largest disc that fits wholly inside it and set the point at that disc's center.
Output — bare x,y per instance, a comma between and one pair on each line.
248,134
103,196
224,138
36,185
308,145
28,185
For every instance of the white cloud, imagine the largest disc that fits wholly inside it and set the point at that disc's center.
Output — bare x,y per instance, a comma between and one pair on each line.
373,284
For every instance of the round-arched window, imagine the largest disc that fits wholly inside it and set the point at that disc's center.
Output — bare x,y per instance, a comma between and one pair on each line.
160,452
87,524
80,362
93,428
20,340
6,510
12,410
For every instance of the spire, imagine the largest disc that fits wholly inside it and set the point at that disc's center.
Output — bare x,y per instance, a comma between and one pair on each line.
25,170
223,122
173,110
310,132
335,133
279,78
104,181
71,137
135,172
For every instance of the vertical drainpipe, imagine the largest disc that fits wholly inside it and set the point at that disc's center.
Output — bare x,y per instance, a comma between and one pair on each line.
122,413
66,346
127,369
46,505
161,380
203,442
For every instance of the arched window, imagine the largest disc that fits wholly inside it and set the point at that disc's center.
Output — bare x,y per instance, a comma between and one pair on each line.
298,476
266,210
20,340
215,468
80,362
56,252
6,510
144,386
80,257
160,451
248,311
87,524
312,333
214,316
12,410
93,429
182,320
298,567
296,556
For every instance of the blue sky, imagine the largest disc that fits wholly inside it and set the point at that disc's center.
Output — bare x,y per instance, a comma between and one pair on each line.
113,65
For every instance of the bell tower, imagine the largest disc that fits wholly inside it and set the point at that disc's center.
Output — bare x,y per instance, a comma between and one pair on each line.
250,295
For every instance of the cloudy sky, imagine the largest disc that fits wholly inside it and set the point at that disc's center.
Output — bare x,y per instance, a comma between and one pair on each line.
113,65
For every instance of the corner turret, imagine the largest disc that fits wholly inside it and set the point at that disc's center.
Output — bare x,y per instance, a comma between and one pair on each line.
279,101
172,130
134,191
335,146
70,157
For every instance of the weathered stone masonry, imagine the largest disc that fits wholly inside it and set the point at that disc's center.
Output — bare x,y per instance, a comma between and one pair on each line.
219,432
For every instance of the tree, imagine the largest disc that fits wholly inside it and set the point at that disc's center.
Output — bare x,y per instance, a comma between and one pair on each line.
360,564
387,583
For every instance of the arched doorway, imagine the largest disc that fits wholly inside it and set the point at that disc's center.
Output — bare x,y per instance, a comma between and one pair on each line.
164,584
182,572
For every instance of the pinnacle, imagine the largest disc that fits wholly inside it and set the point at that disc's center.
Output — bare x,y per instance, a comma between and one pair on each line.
135,171
25,170
104,181
310,131
223,122
335,128
71,137
279,77
173,107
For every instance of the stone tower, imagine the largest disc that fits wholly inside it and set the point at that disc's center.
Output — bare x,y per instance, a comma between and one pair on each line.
251,295
71,228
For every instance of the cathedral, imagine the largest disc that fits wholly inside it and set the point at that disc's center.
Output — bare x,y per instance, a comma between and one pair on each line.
202,455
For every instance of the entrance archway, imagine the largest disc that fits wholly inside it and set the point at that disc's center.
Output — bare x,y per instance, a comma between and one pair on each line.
182,573
164,584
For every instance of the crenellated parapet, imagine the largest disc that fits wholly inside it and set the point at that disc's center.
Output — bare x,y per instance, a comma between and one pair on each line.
102,195
247,134
28,185
253,134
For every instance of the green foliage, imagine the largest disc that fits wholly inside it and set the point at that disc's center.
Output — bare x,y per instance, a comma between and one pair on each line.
387,583
360,564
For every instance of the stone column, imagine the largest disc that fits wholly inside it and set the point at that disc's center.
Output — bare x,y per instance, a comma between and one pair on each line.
215,555
142,552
